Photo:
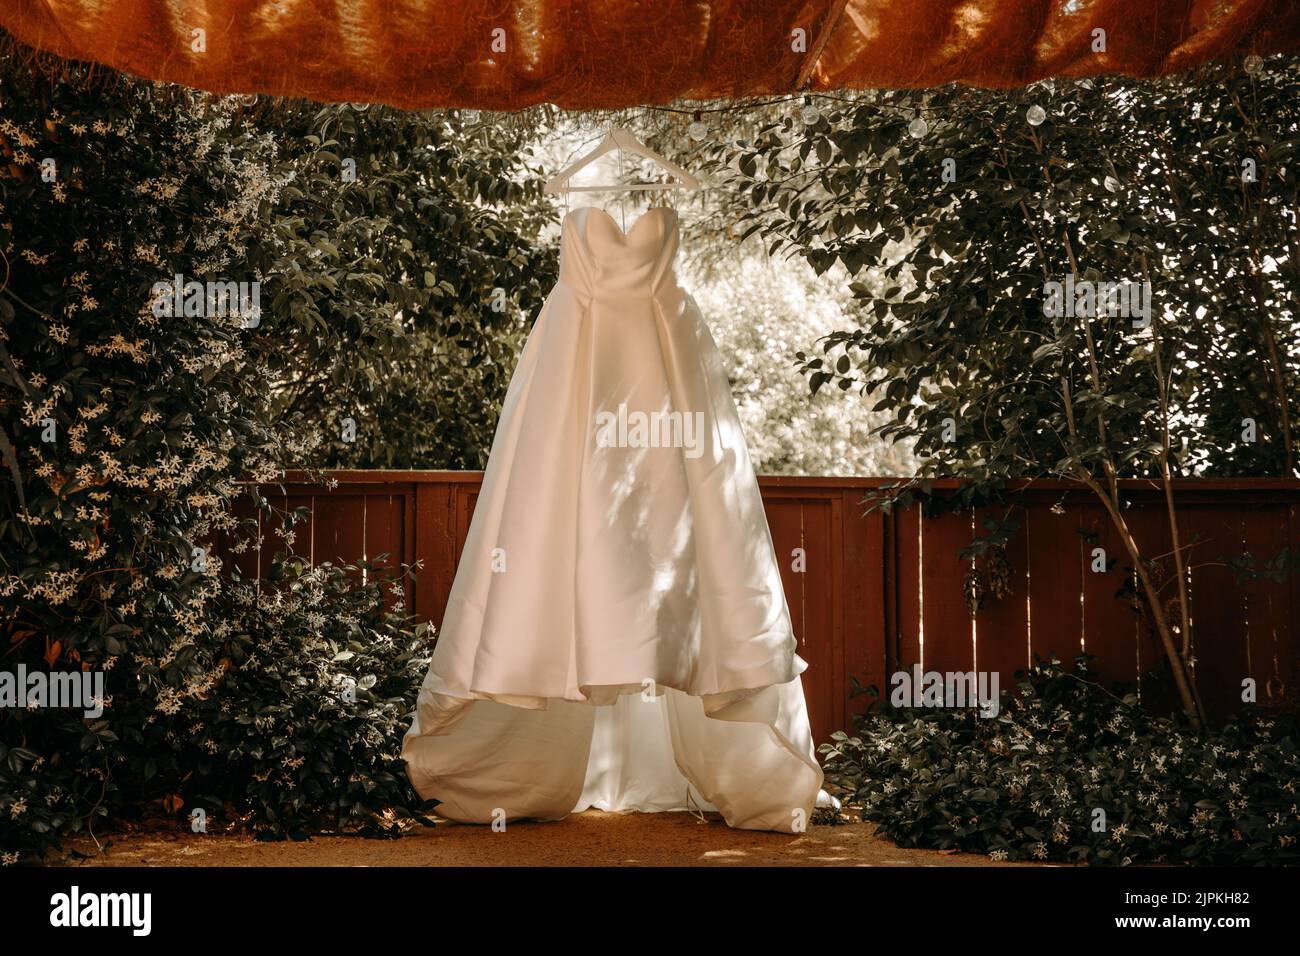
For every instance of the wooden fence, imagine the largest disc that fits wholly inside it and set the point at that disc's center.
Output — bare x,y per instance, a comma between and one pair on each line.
880,593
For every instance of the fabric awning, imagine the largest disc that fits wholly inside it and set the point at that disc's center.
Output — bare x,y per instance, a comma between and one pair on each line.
586,54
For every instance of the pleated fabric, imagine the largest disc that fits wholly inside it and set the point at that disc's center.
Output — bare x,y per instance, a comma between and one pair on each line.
609,54
617,636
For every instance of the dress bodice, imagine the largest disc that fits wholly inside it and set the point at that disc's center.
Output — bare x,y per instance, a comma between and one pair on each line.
599,259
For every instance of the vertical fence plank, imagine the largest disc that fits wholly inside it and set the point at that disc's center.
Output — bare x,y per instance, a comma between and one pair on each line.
435,548
1270,615
302,527
1292,636
945,618
785,521
385,525
244,561
864,601
270,525
1109,624
1149,524
339,529
1002,625
816,643
837,694
1220,635
465,499
408,545
907,636
1055,578
381,529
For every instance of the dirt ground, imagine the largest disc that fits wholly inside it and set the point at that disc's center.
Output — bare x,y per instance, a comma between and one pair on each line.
593,838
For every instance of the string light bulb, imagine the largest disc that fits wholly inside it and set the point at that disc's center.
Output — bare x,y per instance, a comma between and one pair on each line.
810,114
697,130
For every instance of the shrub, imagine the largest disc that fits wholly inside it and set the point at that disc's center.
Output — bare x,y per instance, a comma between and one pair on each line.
305,731
122,431
1028,784
123,435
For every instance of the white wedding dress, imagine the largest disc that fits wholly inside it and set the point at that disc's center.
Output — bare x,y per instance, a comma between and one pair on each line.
617,636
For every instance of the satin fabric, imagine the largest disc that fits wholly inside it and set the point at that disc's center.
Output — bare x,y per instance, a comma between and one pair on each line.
617,635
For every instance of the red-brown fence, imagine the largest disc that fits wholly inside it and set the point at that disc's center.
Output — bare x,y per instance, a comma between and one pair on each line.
881,592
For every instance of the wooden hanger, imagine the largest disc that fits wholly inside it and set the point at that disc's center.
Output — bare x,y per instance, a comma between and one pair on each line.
620,138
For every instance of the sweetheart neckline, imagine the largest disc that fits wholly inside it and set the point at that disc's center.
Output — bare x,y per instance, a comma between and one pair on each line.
624,233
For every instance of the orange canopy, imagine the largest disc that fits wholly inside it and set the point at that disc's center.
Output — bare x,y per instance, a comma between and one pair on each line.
610,53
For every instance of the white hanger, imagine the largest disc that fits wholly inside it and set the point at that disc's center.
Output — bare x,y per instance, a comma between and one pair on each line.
620,138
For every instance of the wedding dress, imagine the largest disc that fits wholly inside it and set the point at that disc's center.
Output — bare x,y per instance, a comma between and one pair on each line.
616,635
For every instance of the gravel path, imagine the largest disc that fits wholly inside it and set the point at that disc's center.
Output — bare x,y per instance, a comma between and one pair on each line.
592,838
